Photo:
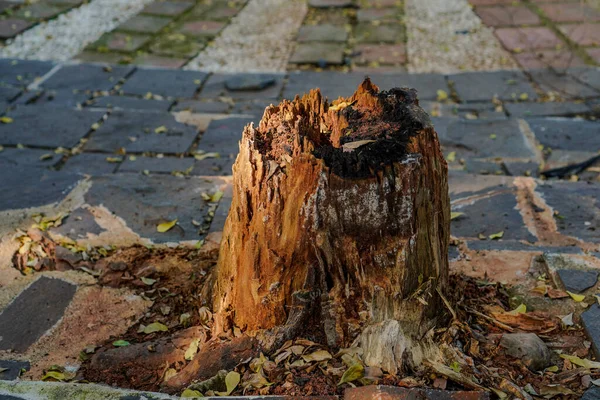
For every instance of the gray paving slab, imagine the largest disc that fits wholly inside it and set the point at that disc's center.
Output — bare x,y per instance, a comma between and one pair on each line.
254,108
483,86
223,135
215,166
591,323
515,245
161,165
142,132
86,77
577,280
22,72
202,107
166,83
243,86
566,134
563,84
490,215
146,201
592,393
46,126
29,157
587,75
130,103
12,369
59,98
550,109
78,224
322,33
89,164
9,93
34,312
576,205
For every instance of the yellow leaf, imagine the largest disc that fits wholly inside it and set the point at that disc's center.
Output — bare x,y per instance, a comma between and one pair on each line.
192,350
6,120
189,393
171,372
356,371
523,96
553,368
231,381
493,136
155,327
454,215
216,196
576,297
442,95
582,362
497,235
451,156
319,355
341,106
203,156
148,281
165,226
521,309
56,375
113,159
161,129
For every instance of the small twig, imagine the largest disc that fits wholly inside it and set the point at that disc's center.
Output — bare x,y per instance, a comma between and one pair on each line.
495,321
572,169
446,302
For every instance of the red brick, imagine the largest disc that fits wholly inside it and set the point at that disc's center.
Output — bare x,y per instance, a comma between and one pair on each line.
583,34
398,393
377,14
549,58
507,16
12,27
380,53
386,69
594,53
527,38
491,2
570,12
202,28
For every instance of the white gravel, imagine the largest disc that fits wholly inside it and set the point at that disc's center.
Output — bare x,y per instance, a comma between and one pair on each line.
446,36
259,39
64,37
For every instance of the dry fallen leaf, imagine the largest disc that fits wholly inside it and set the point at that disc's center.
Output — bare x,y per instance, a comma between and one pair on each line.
497,235
155,327
166,226
454,215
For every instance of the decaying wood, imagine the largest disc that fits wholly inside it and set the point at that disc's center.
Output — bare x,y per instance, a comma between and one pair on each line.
339,225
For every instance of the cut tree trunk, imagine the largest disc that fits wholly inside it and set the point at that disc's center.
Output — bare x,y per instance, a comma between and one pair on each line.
339,226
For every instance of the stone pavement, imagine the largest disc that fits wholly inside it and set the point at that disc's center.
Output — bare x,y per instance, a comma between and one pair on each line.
105,154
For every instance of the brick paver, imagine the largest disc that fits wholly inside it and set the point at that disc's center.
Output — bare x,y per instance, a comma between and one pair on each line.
507,16
585,34
519,39
570,12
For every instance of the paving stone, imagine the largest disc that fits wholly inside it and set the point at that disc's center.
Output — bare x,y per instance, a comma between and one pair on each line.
33,312
7,5
322,33
27,186
321,54
58,98
29,157
215,166
223,136
22,72
565,133
96,57
86,77
201,28
591,323
380,3
490,215
474,138
330,3
490,2
170,8
144,24
11,27
78,224
569,12
562,84
243,86
222,11
120,41
512,245
45,126
218,222
89,164
9,397
522,168
484,110
592,393
594,53
177,45
8,94
558,59
12,369
146,201
166,83
586,34
255,108
374,392
158,61
130,103
378,14
507,16
201,107
153,164
385,33
560,158
587,75
483,86
576,280
525,38
550,109
136,132
40,11
577,207
380,54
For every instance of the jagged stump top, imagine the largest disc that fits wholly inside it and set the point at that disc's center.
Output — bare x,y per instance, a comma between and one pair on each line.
355,136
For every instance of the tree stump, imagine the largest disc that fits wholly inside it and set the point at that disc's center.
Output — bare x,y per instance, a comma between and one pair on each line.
339,226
